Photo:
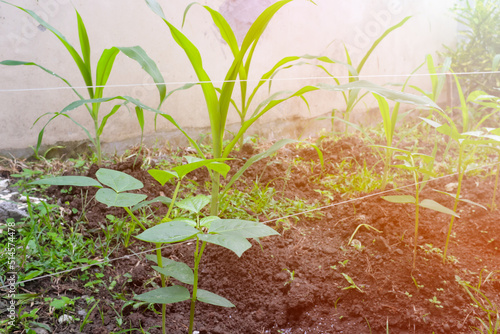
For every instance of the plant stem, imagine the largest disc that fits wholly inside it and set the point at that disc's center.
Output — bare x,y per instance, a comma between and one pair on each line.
160,261
460,177
417,201
176,191
214,204
197,258
493,204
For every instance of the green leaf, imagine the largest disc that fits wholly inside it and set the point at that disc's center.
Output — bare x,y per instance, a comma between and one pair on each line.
237,244
122,200
194,204
211,298
162,176
77,181
169,232
462,199
119,181
195,163
433,205
26,63
390,94
138,54
403,199
206,221
177,270
241,228
160,199
168,295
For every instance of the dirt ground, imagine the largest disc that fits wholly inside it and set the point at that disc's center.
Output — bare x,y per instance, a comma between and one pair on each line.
318,297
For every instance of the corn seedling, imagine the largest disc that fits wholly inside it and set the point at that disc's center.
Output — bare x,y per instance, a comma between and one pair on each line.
463,139
218,100
95,87
416,169
368,227
490,324
351,281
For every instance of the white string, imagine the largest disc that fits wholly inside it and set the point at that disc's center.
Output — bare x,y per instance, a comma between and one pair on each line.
248,80
265,222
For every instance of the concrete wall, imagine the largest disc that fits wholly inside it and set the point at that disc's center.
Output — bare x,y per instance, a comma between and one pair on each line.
27,92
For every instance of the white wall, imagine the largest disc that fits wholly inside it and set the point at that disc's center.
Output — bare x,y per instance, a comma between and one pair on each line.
299,28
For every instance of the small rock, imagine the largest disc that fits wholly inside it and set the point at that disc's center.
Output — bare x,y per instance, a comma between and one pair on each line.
399,251
65,319
451,186
4,184
11,210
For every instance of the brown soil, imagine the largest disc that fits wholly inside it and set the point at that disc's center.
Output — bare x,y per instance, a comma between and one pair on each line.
318,299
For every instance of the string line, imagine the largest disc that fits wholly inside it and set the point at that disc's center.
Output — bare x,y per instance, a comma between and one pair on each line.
104,261
172,83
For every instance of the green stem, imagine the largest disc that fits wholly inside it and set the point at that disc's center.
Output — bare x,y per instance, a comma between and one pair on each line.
214,204
460,177
176,191
160,261
197,258
417,207
132,228
493,204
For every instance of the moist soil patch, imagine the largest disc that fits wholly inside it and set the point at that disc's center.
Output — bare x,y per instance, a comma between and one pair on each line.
308,279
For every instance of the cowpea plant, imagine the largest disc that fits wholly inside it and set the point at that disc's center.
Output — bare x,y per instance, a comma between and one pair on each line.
418,164
229,233
95,87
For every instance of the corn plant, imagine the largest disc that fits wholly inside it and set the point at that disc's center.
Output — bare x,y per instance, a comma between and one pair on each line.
95,86
491,323
218,100
417,164
463,139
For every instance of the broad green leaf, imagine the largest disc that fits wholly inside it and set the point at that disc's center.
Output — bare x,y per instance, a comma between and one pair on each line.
122,200
193,204
206,221
400,199
162,176
211,298
169,232
160,199
241,228
167,295
77,181
177,270
186,220
118,181
195,163
433,205
235,243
